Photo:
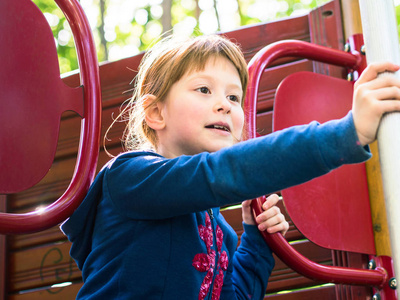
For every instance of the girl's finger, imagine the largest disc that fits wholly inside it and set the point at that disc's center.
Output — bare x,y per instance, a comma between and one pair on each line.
247,213
271,201
383,94
246,203
270,222
374,69
281,227
379,83
270,217
389,105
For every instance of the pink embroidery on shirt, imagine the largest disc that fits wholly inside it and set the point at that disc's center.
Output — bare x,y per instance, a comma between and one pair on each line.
203,262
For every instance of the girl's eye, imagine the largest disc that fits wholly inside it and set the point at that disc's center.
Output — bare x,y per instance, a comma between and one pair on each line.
234,98
204,90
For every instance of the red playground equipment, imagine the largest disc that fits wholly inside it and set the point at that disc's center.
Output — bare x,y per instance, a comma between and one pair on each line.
341,259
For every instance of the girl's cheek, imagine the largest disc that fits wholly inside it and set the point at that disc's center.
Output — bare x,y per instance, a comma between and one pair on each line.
241,120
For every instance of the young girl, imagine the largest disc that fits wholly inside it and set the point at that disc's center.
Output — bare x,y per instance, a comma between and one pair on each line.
150,226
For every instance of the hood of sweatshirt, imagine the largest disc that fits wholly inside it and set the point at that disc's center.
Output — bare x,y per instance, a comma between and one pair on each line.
79,227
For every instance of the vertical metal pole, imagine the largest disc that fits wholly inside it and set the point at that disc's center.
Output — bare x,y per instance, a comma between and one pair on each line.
382,44
352,27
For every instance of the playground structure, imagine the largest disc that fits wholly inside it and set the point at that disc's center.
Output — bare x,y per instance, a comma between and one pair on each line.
37,265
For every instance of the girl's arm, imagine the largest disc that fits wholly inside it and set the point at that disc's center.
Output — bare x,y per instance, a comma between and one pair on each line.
253,261
147,186
252,264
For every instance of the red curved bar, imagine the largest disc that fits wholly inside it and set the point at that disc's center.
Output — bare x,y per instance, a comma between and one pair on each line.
310,269
278,244
85,168
289,48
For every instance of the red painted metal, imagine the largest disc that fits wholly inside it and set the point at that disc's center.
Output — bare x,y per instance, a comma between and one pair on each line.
355,43
310,269
386,263
290,48
33,96
338,201
90,130
278,244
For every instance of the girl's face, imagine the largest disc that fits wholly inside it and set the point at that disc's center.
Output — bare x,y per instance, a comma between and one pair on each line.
202,111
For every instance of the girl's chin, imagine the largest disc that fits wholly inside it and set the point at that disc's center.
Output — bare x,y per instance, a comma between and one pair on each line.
219,146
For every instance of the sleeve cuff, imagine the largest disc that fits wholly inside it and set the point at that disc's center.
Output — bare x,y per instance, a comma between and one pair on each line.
252,238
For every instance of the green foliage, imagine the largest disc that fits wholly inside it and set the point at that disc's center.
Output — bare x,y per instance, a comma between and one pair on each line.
398,18
127,27
61,31
261,11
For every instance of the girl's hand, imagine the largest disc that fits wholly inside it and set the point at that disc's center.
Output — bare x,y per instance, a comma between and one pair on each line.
271,219
373,97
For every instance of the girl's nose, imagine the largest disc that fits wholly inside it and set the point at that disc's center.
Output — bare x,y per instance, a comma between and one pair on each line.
223,105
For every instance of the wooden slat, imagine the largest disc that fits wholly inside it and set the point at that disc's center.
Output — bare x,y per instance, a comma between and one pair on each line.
351,260
50,188
23,241
264,123
325,293
253,38
70,292
70,131
41,266
57,293
283,277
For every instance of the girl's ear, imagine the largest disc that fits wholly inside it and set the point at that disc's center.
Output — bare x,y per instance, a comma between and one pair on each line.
153,112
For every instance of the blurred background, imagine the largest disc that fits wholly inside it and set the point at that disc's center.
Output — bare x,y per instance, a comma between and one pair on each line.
123,28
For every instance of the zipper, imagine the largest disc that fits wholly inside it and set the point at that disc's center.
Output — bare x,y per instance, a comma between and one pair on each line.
211,214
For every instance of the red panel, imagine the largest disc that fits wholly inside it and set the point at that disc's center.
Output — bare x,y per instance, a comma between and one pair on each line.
278,244
32,96
338,202
85,167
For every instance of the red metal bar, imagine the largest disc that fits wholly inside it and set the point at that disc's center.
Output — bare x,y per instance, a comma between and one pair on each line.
310,269
88,153
387,292
290,48
278,244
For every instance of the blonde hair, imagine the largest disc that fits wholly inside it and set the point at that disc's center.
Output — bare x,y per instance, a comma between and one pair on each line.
164,65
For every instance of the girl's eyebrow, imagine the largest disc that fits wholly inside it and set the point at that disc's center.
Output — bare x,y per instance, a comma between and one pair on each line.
192,77
201,75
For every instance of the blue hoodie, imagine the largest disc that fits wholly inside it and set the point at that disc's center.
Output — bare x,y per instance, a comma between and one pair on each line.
150,227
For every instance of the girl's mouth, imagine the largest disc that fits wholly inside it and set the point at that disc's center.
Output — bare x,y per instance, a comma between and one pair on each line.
219,127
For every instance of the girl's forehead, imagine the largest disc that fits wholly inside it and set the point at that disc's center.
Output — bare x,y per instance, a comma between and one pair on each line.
211,63
219,70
